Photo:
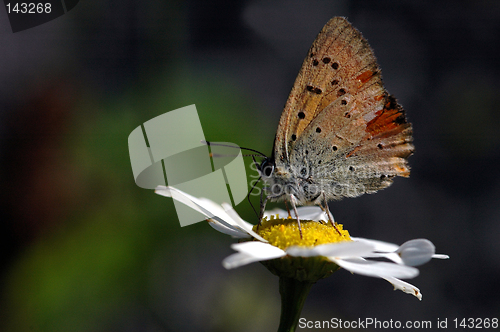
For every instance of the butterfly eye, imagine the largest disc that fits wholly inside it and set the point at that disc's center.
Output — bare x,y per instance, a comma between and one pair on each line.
268,171
267,168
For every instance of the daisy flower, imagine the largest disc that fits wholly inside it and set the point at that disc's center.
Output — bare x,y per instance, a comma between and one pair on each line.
301,261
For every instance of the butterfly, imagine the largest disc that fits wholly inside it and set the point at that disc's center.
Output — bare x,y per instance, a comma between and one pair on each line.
340,134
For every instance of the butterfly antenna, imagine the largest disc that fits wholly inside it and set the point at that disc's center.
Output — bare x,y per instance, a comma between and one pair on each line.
249,155
234,147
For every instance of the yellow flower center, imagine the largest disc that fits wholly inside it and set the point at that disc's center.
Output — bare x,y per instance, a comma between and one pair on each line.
283,233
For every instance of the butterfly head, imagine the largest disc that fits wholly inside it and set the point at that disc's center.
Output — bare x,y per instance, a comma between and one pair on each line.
279,181
266,168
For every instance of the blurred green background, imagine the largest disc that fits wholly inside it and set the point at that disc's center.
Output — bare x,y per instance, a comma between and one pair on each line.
88,250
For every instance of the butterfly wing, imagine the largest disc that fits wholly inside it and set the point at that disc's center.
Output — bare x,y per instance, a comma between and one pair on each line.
339,121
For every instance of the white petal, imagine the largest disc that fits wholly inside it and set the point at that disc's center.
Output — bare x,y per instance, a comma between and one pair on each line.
247,227
312,213
405,287
389,255
250,252
416,252
376,269
215,211
229,231
379,245
440,256
258,249
203,205
305,213
337,250
234,215
163,191
413,253
237,260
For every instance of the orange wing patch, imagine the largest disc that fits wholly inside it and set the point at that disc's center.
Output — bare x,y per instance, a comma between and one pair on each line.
365,77
388,121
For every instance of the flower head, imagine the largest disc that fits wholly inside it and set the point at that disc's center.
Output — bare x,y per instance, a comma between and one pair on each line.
321,251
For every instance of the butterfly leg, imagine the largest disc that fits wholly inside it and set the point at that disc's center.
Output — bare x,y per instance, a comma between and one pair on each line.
263,202
292,201
329,214
289,214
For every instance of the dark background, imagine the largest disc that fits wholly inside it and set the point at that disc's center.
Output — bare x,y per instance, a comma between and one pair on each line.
87,250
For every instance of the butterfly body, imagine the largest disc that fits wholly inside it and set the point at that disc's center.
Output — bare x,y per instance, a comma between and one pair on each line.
341,134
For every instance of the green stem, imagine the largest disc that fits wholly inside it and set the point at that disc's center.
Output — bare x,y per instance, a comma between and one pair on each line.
293,295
